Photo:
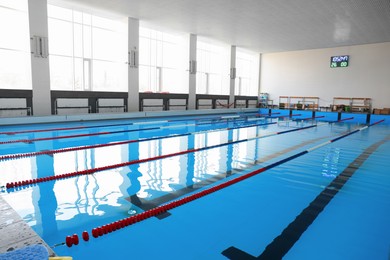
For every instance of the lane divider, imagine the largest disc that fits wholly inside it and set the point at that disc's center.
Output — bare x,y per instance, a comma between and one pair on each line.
89,134
308,118
97,126
18,184
122,223
55,151
13,185
74,136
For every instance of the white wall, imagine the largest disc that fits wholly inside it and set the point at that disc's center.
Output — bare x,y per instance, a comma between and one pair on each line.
308,73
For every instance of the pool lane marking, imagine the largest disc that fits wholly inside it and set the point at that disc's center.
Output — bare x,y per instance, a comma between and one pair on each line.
74,136
63,150
280,246
149,204
122,223
12,185
109,125
29,141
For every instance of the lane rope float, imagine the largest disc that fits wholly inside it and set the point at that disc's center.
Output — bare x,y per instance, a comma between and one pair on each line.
56,151
122,223
19,184
109,125
92,134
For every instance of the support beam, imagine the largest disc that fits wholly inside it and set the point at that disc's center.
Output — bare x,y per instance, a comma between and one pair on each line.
192,73
133,61
40,70
232,74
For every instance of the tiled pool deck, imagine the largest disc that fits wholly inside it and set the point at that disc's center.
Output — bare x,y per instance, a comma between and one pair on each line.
14,232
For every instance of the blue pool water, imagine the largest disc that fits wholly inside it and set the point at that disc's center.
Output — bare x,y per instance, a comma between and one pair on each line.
244,219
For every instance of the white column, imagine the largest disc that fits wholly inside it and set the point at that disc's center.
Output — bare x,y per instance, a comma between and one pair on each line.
232,74
133,76
259,90
40,70
192,77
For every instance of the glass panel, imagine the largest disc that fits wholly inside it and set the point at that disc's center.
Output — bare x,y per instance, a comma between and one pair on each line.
247,64
61,37
87,19
159,54
78,74
174,81
83,43
158,79
59,13
77,17
61,73
144,53
153,79
168,52
87,75
15,70
108,24
171,55
87,41
109,76
153,52
215,84
78,40
109,45
201,83
144,32
14,25
15,4
144,78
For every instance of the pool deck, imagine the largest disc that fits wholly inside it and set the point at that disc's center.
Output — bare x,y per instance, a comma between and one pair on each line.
14,232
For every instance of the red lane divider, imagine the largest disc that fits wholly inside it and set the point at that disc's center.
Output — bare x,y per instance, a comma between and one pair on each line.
43,130
72,149
345,119
76,136
308,118
286,116
108,167
122,223
55,151
12,185
95,126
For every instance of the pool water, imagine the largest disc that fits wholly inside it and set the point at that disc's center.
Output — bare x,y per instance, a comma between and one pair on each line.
246,220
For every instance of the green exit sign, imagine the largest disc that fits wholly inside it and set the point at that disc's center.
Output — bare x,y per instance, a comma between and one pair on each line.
339,61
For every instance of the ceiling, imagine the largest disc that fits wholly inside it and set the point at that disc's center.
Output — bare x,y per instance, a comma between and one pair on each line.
260,25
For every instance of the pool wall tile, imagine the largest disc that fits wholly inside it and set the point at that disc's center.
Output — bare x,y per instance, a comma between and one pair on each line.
357,118
327,116
376,118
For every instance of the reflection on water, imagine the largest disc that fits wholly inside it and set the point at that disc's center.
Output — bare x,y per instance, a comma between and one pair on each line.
56,206
330,162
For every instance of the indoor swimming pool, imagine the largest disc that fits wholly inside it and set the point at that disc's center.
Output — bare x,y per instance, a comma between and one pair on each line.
235,186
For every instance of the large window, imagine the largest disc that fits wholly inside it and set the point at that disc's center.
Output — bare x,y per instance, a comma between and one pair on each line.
247,76
87,52
163,62
15,58
213,62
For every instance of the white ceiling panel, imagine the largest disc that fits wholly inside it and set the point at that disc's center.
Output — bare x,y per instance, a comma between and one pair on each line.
261,25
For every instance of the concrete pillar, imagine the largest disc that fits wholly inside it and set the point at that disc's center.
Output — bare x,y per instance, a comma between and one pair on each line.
259,90
232,74
133,75
40,70
192,77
